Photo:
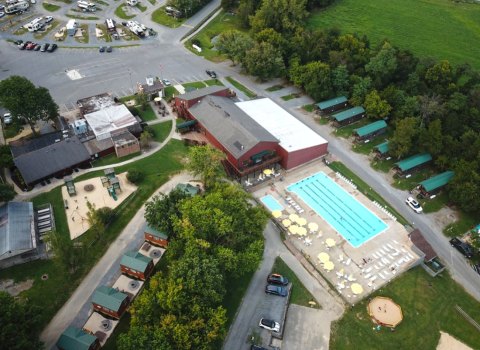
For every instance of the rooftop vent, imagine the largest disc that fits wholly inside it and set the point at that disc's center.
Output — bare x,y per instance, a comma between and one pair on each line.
149,80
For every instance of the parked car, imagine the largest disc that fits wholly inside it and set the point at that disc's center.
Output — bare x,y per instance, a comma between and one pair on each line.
22,46
275,278
412,203
30,46
2,14
462,247
7,118
109,49
101,49
48,19
52,47
116,36
166,82
211,74
37,48
276,290
18,42
269,325
44,47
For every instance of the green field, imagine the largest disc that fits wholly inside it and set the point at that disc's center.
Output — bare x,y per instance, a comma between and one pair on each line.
435,28
428,306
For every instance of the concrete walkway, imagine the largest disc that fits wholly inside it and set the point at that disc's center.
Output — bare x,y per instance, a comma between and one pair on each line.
76,310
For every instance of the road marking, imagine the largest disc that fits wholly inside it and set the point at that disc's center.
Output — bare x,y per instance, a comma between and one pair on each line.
73,74
187,25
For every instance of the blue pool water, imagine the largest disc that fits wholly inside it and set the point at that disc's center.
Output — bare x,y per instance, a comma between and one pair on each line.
271,203
344,213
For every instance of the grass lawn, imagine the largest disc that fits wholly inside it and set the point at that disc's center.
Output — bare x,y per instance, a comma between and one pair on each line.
365,189
153,2
170,91
211,82
347,130
120,12
220,24
51,294
290,97
161,130
367,148
141,7
414,180
435,204
160,16
309,108
50,7
464,224
13,129
322,120
146,115
194,85
428,306
300,294
241,87
382,165
274,88
435,28
50,27
84,38
112,159
86,18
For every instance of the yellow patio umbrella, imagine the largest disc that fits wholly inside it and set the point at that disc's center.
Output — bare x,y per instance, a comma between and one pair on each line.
329,266
276,213
293,229
356,288
330,242
301,221
302,231
293,217
323,257
286,222
313,226
267,172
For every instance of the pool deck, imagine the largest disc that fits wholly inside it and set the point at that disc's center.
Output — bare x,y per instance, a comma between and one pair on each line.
372,265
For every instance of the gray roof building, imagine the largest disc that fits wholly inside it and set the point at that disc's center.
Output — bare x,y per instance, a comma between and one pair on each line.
202,92
22,146
52,159
17,230
231,126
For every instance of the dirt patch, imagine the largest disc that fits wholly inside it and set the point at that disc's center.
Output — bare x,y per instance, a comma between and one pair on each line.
447,342
13,288
444,217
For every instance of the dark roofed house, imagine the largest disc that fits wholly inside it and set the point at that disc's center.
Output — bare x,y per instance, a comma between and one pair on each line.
412,163
156,237
136,265
58,159
231,130
332,105
434,184
17,232
23,146
370,131
349,116
153,88
77,339
381,150
109,301
430,261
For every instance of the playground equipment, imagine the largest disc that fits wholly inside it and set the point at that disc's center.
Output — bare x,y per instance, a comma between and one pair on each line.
110,173
70,186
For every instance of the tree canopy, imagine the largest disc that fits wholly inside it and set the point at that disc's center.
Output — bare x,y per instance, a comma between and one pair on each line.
205,161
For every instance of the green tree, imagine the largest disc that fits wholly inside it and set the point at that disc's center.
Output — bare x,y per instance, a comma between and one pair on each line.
246,9
135,176
234,44
383,65
429,107
141,99
7,193
163,210
314,77
375,106
206,162
18,320
97,225
431,138
361,88
463,189
403,138
146,138
341,80
264,61
284,16
24,100
440,76
6,159
228,5
66,254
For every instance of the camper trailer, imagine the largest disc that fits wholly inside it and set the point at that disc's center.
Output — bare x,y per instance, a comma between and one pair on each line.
110,23
135,28
132,2
86,6
71,27
35,25
17,7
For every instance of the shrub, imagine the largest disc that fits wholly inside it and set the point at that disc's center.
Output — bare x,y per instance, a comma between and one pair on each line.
135,176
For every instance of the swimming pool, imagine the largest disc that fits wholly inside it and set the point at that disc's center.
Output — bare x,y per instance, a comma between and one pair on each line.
271,203
356,223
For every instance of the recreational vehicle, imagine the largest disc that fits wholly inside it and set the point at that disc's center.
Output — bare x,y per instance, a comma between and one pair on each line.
17,7
71,27
110,23
132,2
86,6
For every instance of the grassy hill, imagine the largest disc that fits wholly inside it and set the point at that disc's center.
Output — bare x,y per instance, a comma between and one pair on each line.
436,28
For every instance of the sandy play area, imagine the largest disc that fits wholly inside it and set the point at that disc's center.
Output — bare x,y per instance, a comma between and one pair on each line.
447,342
77,205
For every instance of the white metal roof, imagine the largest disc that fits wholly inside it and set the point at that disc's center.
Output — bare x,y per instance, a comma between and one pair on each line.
292,133
109,119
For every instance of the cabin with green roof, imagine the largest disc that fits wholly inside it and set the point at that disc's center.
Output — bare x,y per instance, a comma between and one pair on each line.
370,131
381,150
434,184
332,105
77,339
136,265
110,302
349,116
413,163
156,237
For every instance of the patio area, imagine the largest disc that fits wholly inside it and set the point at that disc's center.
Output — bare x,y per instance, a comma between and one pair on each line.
355,272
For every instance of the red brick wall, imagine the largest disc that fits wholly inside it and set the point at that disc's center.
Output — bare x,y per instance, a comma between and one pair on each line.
125,150
296,158
156,241
189,103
